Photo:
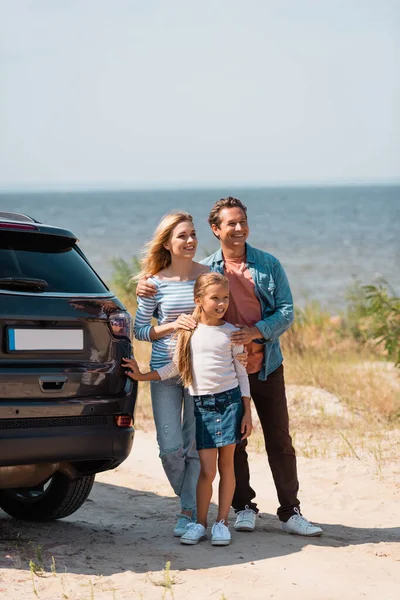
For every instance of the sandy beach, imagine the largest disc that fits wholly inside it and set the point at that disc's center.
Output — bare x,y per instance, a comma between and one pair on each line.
118,544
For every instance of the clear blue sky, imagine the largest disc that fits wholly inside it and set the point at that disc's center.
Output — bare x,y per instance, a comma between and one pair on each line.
140,93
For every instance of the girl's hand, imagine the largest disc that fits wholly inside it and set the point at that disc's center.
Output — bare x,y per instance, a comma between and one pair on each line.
145,289
243,357
185,322
134,373
247,425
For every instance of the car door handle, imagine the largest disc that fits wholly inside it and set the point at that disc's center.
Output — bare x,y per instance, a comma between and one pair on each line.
52,383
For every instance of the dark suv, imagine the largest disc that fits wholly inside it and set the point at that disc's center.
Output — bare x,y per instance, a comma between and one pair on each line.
66,406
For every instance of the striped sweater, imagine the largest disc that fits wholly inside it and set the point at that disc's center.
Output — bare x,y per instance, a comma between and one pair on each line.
172,299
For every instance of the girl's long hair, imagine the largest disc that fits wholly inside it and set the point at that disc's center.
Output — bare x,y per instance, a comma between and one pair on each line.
156,256
182,351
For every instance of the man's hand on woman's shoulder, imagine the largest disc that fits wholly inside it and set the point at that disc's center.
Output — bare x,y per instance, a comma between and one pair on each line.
145,289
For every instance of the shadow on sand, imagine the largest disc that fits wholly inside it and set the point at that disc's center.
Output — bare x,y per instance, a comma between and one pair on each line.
121,529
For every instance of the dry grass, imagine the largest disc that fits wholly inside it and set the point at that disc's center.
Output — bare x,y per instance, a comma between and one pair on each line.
143,412
368,388
334,439
321,351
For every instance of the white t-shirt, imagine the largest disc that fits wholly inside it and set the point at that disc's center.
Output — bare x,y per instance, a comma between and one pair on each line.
215,367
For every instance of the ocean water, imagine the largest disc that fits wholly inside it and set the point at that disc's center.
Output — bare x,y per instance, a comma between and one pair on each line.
325,237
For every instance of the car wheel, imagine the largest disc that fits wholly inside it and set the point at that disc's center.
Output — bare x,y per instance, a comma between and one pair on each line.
57,498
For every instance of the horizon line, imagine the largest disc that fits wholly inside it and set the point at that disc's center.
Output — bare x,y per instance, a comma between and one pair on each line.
142,187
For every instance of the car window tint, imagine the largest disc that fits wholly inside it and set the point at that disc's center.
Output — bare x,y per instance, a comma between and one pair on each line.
52,258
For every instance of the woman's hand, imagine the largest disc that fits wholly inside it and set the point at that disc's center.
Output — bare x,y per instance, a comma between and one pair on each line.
247,425
145,289
243,357
134,372
186,322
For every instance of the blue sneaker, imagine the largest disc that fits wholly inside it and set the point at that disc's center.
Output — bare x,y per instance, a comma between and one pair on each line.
181,523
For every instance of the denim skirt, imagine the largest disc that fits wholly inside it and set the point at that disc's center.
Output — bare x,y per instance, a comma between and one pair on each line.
218,419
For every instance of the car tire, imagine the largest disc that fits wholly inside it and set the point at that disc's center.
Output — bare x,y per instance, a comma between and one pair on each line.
59,498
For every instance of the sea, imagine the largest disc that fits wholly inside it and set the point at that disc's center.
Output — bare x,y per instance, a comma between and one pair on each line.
327,238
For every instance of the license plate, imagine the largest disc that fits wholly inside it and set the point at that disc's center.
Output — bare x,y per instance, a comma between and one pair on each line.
45,339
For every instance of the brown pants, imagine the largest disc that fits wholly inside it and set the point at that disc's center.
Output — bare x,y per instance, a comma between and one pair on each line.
269,398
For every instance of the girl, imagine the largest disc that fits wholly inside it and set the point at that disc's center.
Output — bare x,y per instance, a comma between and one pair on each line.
169,261
207,363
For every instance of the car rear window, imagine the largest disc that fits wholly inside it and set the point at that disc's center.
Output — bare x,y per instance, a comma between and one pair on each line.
55,259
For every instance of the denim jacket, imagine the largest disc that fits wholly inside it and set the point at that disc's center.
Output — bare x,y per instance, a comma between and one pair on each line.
272,289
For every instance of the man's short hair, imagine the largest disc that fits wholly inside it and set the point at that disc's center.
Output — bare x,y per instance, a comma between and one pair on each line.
230,202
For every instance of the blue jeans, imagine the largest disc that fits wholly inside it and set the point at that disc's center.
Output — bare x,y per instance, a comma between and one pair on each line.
176,437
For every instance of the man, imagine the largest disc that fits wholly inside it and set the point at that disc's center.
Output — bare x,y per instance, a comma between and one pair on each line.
261,305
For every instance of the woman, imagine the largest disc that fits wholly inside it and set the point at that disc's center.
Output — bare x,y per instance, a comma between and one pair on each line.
209,368
169,261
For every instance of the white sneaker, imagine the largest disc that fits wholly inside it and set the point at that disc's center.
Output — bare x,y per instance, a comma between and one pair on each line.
245,520
195,532
220,534
298,525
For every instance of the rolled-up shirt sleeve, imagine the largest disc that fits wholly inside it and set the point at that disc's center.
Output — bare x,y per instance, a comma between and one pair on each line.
281,319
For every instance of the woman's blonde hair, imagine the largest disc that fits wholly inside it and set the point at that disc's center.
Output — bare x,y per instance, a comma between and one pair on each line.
182,351
157,257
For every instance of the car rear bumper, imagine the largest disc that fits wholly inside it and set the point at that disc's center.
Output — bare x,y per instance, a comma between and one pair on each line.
79,431
107,444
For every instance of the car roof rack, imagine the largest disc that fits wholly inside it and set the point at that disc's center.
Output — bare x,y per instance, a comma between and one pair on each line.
16,217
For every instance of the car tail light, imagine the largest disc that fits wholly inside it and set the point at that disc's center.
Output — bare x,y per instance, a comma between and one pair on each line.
123,420
121,324
19,226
